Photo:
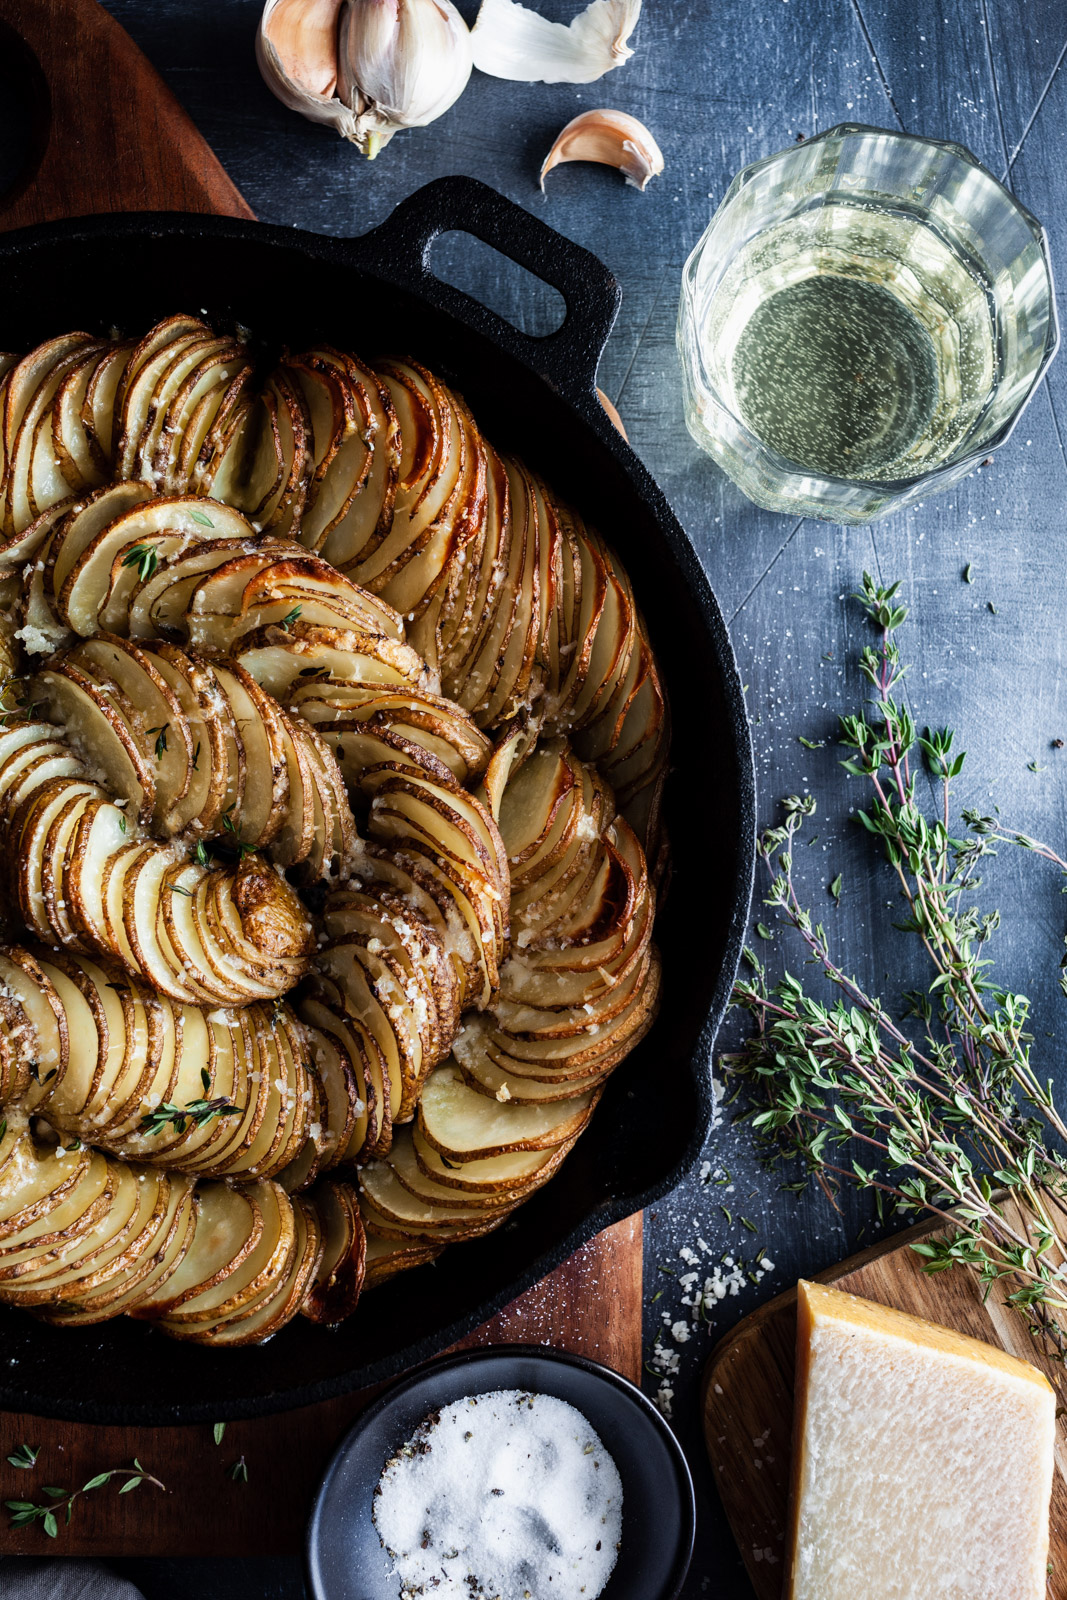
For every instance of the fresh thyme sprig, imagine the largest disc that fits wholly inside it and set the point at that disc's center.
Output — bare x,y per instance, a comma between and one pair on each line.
198,1112
243,849
943,1114
144,557
62,1500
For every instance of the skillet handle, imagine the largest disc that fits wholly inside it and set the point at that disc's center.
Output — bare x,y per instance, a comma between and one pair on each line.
567,359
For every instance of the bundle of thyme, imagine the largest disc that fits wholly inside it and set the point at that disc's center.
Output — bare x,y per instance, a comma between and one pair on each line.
938,1110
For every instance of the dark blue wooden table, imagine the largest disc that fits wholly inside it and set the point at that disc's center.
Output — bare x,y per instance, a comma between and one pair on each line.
722,83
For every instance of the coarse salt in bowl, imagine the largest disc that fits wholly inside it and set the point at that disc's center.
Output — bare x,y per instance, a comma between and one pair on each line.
385,1484
508,1493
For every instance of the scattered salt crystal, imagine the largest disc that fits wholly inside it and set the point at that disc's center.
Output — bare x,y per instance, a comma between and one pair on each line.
718,1095
505,1494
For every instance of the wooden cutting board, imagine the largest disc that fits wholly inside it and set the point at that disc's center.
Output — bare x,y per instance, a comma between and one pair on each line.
590,1306
748,1394
112,137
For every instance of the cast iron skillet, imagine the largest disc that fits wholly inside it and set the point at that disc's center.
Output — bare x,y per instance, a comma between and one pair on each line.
377,294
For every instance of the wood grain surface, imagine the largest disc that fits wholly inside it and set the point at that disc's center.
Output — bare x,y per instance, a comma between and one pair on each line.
113,138
748,1393
590,1306
108,134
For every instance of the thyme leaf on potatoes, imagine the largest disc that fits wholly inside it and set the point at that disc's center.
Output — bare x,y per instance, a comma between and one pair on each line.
197,1112
144,557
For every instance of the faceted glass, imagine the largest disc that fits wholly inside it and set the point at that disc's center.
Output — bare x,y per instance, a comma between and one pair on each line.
864,319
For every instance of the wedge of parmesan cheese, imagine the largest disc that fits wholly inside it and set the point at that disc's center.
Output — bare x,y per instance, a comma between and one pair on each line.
922,1460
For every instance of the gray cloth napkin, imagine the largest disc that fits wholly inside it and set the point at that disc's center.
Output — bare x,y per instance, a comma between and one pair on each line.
25,1578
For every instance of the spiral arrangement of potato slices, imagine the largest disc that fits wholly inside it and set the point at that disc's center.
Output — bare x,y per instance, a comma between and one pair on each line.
331,747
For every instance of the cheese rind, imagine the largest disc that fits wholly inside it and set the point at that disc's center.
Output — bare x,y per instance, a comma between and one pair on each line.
922,1460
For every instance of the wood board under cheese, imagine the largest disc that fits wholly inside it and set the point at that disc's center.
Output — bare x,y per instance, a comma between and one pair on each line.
748,1396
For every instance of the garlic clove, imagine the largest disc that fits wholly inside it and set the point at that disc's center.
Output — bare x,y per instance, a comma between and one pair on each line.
612,137
511,41
296,48
402,63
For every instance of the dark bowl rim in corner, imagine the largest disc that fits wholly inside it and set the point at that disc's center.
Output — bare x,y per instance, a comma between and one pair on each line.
540,1354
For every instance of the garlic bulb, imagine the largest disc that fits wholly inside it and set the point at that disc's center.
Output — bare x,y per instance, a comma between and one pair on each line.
296,49
402,63
511,41
367,67
613,137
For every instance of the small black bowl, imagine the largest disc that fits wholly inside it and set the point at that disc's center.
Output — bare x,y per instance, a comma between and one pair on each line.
344,1556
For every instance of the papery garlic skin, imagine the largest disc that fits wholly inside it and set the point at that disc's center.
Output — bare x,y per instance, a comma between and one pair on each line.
296,49
612,137
401,64
511,41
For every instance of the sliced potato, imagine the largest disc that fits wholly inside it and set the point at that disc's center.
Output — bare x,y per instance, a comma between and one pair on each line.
339,1277
387,1257
462,1125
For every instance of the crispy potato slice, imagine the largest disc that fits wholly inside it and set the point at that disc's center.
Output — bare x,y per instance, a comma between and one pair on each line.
41,1240
53,1264
355,452
32,1185
103,728
406,1170
379,1185
99,1254
178,404
369,723
274,1310
338,1281
253,1272
520,1171
160,1254
95,590
77,455
29,389
347,1107
99,407
36,1029
75,532
229,1223
462,1125
387,1257
389,1227
158,601
278,657
159,354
